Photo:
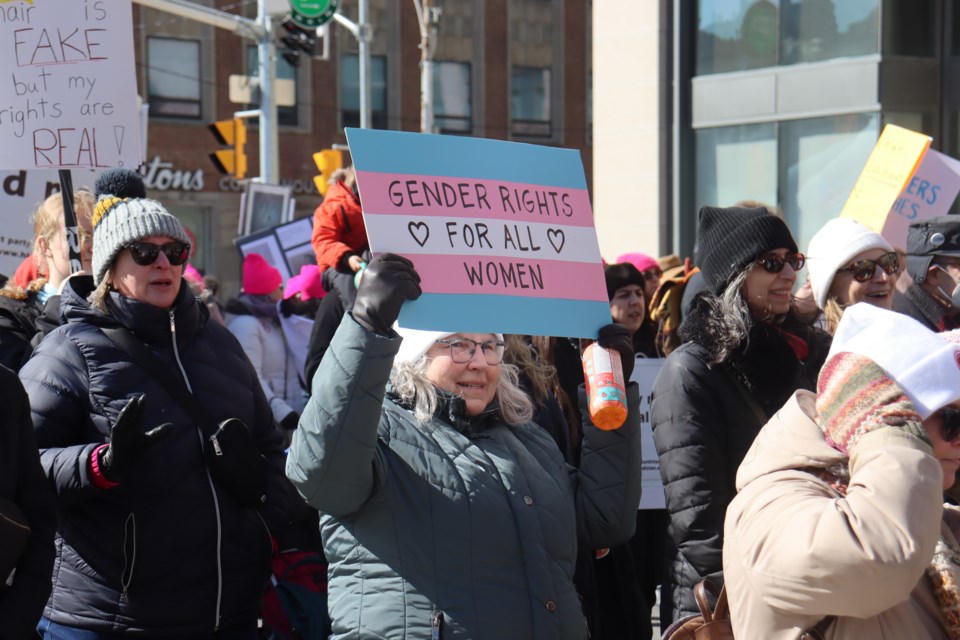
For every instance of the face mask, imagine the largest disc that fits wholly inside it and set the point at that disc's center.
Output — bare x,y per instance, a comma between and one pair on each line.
953,297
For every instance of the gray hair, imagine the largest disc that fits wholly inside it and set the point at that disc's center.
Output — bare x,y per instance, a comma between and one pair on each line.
411,383
730,315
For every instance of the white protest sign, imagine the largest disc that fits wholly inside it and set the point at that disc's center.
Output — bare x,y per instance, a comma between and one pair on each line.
644,374
928,194
69,85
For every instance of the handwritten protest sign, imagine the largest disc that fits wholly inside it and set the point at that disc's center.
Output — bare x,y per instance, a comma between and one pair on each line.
891,164
69,85
929,193
652,497
501,233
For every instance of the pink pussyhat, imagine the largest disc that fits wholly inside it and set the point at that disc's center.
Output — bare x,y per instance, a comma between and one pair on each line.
640,260
307,283
259,278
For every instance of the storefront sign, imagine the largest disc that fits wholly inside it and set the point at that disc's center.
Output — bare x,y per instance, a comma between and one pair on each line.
162,176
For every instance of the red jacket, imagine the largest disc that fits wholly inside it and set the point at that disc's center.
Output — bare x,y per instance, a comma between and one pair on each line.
338,227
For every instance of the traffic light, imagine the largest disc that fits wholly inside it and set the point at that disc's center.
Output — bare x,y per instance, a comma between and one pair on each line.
232,133
295,40
328,161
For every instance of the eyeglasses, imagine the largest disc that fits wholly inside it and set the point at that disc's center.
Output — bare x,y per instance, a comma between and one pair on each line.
774,264
145,253
462,350
863,270
949,423
652,274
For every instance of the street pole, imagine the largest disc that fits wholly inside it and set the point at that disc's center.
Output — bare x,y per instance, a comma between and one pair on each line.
361,31
428,17
266,54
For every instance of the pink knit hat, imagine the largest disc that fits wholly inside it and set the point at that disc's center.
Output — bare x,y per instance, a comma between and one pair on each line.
259,278
640,260
307,283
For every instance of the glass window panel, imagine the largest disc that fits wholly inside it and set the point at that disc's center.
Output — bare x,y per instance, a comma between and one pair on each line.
173,77
820,160
451,97
814,30
909,28
736,163
530,101
734,35
350,90
283,70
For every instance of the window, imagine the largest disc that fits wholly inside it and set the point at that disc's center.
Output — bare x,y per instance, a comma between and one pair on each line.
530,102
735,35
452,97
350,91
815,30
736,163
286,115
910,29
173,78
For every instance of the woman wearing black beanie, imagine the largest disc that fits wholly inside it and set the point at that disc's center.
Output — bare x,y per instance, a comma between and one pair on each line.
744,354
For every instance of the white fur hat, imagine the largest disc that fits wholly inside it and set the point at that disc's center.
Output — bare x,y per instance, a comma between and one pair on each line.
923,363
831,248
417,342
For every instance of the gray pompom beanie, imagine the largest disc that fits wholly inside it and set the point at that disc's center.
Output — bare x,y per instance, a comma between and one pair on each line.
119,221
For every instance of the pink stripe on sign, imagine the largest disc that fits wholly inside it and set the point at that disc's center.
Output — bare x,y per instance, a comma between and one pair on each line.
511,277
404,194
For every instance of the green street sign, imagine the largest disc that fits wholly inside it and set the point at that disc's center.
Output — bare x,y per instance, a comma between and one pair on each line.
311,14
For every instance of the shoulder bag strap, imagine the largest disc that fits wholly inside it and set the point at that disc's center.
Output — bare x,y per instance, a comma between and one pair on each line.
819,630
747,396
173,385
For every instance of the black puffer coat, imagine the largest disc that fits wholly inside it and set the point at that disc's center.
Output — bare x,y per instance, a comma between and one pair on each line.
18,315
703,426
167,551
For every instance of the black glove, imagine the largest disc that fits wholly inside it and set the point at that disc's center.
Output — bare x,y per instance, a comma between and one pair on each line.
616,336
128,441
290,421
388,281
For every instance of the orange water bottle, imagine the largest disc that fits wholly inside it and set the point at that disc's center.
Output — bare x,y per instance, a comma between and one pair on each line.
606,393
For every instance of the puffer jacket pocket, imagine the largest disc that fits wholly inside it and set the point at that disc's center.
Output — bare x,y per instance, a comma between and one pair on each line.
129,555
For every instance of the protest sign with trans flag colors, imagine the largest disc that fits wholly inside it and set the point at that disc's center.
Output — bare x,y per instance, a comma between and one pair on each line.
501,233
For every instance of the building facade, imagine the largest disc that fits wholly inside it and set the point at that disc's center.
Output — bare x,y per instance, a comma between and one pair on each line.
516,70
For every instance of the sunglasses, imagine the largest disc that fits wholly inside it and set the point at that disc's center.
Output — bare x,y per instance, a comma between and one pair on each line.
146,253
774,264
863,270
462,350
651,274
949,423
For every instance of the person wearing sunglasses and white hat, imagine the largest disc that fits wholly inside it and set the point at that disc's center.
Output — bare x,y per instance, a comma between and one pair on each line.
849,263
745,354
148,543
840,520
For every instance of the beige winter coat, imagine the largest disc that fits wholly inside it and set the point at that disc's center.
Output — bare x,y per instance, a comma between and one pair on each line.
796,550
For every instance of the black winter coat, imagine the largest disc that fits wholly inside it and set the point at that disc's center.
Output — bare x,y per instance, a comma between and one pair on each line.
22,482
167,551
703,426
18,315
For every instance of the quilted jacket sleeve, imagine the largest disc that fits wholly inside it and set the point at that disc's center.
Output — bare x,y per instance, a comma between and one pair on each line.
609,477
332,457
55,379
688,426
328,234
249,333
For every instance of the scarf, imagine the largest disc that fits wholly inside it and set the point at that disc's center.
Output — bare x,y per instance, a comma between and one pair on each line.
943,570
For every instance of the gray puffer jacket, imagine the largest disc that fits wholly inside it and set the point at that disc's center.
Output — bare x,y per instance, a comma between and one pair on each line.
472,530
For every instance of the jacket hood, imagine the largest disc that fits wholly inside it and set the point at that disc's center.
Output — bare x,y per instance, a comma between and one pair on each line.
150,323
790,440
339,192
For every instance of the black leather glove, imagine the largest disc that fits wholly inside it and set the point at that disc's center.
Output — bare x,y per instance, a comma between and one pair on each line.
128,441
388,281
616,336
290,421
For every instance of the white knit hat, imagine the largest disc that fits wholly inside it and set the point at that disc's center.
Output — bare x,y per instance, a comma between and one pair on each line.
835,245
926,366
417,342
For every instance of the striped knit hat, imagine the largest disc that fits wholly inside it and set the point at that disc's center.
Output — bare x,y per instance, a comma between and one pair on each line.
119,221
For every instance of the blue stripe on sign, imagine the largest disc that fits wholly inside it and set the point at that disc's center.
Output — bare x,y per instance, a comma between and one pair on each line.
477,313
463,157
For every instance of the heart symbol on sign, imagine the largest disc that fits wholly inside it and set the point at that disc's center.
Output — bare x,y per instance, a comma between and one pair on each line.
556,238
420,232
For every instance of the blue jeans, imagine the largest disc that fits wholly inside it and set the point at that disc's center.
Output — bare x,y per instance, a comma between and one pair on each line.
52,631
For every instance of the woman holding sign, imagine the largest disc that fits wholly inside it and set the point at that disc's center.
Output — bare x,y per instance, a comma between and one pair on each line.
444,510
744,354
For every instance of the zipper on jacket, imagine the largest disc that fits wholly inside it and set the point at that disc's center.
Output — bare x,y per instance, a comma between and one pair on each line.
436,626
346,222
129,556
213,489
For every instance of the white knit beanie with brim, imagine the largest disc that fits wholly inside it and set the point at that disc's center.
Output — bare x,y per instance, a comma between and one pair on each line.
833,247
118,222
417,342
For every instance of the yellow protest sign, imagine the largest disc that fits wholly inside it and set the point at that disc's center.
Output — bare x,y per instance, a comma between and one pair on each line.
893,160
